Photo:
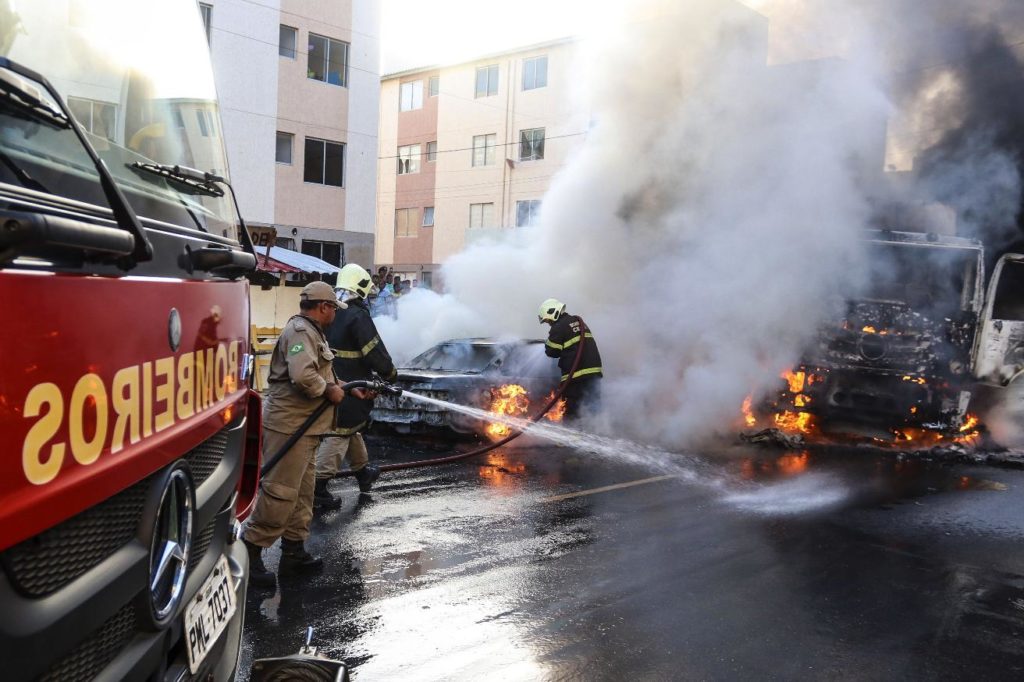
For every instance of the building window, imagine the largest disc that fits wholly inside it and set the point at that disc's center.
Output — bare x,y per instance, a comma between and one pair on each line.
428,216
331,252
487,80
410,96
327,60
531,144
207,123
431,152
284,148
535,73
99,118
207,12
434,86
324,162
527,212
483,149
481,215
287,40
409,159
405,222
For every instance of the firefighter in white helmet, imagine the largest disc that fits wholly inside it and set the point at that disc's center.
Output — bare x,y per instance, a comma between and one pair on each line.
359,353
567,332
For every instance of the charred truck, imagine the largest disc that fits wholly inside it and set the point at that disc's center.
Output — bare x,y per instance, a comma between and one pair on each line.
924,341
130,439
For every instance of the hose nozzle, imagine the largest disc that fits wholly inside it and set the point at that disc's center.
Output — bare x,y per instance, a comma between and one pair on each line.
375,385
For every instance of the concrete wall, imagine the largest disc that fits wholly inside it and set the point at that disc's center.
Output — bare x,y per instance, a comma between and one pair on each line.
243,44
416,190
363,118
384,252
311,108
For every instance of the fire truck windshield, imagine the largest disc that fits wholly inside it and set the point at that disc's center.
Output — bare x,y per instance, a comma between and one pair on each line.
137,78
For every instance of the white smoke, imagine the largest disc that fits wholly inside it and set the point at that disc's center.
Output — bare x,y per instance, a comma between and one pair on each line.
703,230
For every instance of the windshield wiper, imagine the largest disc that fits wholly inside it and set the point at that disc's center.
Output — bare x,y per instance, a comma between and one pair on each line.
23,177
203,182
183,179
16,98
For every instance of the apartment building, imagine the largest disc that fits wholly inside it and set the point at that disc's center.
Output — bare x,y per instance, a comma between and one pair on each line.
299,88
469,150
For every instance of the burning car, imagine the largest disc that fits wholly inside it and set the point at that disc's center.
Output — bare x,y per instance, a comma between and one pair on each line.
910,353
494,375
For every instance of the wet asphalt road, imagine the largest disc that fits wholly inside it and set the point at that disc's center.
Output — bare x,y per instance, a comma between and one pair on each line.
521,565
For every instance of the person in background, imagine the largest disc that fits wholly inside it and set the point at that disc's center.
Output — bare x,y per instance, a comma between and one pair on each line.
383,276
415,283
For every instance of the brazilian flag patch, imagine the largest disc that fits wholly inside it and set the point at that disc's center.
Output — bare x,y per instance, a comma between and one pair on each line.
295,349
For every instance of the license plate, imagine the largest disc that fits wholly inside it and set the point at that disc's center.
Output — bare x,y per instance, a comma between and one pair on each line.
209,613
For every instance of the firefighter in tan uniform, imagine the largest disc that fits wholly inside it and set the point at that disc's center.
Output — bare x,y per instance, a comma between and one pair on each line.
301,377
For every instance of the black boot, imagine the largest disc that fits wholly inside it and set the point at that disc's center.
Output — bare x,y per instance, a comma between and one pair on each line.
322,497
366,476
295,557
258,573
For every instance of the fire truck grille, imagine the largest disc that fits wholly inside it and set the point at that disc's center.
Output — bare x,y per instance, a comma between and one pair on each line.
55,557
203,460
45,563
95,652
201,544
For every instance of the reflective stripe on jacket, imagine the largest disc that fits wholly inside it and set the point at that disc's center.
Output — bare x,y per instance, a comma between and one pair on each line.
562,343
358,353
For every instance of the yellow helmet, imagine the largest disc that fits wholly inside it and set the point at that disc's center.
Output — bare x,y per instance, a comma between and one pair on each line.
550,310
355,279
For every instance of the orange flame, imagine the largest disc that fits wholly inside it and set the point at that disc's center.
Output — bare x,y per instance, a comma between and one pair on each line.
557,411
869,330
514,401
511,400
748,412
800,422
796,380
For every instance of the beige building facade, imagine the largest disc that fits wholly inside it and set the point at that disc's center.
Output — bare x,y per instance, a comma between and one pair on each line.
299,85
469,150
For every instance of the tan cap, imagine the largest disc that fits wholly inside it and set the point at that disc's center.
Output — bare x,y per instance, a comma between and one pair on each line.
320,291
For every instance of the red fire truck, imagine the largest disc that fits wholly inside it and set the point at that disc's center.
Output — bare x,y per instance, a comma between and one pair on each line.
129,435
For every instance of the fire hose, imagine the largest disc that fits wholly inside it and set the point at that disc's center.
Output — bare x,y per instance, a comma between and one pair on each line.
379,386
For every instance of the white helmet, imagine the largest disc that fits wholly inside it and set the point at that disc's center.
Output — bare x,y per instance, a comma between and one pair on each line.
355,279
550,310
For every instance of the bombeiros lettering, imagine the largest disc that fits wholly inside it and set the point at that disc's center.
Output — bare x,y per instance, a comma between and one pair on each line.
91,417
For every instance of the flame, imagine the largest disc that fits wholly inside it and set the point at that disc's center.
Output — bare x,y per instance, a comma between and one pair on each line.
972,421
970,434
748,412
557,411
511,400
796,380
869,330
800,422
916,380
